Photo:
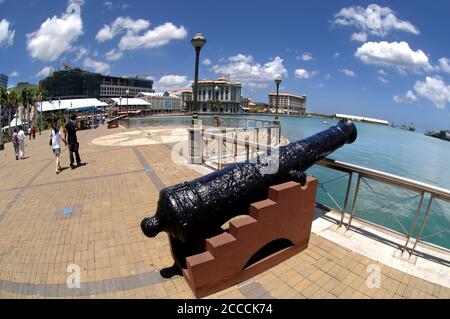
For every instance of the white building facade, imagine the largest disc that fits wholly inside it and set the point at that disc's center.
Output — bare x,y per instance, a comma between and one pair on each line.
219,94
288,103
162,102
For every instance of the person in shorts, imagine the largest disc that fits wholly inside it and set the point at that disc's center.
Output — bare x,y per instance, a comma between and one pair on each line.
56,137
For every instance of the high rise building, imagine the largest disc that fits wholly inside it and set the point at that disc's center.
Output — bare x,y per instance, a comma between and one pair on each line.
3,80
288,103
77,83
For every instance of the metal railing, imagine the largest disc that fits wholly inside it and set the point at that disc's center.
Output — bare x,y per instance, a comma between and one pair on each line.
222,147
364,174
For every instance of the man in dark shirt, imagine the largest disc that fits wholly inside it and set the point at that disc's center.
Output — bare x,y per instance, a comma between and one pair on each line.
70,135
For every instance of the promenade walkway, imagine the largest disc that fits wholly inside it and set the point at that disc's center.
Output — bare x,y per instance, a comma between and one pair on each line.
90,217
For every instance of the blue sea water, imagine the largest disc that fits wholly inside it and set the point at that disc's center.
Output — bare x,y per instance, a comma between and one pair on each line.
400,152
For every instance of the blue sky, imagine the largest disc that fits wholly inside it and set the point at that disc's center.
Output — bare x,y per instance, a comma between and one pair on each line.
389,60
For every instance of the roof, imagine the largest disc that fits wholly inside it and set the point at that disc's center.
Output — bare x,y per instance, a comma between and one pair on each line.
360,118
158,95
288,94
130,101
71,105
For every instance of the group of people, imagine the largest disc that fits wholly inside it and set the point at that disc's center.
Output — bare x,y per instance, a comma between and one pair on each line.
69,139
18,140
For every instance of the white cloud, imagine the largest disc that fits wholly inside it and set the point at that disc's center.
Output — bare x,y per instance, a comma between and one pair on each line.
14,74
336,55
435,90
82,52
96,66
393,54
254,75
108,4
1,1
444,65
172,82
6,34
382,72
303,74
349,73
359,36
44,72
113,55
159,36
382,79
207,62
305,57
56,35
133,38
409,97
241,58
109,32
374,20
327,76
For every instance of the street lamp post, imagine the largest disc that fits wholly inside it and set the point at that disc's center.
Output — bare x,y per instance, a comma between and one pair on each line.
128,92
40,118
198,41
120,105
277,82
59,107
216,100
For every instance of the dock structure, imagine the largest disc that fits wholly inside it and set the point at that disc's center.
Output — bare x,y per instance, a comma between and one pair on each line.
42,246
361,119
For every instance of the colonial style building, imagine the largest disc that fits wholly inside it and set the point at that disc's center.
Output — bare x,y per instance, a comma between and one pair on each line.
185,96
220,94
162,102
288,103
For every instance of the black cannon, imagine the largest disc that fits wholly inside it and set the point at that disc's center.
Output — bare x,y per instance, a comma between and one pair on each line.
193,211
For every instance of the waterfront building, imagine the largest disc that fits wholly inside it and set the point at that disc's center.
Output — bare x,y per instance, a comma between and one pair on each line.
185,96
162,102
77,83
288,103
131,106
219,94
3,80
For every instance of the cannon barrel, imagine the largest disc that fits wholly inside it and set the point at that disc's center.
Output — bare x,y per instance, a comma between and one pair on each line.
197,209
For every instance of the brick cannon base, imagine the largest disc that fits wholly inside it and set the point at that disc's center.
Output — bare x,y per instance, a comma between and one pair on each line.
277,228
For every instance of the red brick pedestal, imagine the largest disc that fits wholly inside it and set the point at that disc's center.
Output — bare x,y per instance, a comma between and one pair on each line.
277,228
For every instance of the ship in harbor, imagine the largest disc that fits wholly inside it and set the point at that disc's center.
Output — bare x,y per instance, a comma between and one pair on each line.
410,127
443,135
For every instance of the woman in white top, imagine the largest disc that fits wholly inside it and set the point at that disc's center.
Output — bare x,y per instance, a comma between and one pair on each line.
56,138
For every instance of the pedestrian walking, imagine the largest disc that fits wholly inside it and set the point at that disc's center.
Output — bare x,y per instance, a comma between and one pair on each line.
56,138
29,132
15,141
70,135
21,136
34,132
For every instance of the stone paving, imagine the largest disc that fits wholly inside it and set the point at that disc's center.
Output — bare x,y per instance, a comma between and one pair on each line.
107,199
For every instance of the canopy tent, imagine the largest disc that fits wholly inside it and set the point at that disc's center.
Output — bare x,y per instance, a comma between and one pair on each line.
13,124
70,105
130,102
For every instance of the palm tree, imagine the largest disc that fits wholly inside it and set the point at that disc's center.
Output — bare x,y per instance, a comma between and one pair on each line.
3,102
24,98
14,99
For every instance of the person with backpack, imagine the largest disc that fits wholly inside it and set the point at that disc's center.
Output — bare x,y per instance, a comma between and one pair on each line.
55,143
